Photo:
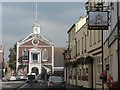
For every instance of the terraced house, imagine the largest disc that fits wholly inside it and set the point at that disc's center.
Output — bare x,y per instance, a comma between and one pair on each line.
84,66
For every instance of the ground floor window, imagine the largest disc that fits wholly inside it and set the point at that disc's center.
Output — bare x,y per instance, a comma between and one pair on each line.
98,68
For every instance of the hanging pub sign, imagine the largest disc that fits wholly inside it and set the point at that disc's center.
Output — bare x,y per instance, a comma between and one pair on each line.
98,20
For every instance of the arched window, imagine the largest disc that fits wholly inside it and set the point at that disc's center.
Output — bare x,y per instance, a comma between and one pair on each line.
44,55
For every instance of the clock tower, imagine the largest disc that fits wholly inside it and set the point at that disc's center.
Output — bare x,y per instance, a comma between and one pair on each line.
36,26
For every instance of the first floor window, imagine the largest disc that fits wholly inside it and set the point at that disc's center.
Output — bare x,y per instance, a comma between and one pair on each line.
35,56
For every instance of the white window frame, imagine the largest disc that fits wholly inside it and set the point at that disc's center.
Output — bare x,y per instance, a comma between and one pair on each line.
98,69
45,51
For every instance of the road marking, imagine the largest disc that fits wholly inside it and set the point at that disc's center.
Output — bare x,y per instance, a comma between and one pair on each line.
13,82
23,85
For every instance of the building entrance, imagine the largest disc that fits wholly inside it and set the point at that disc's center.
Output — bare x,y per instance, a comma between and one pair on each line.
35,70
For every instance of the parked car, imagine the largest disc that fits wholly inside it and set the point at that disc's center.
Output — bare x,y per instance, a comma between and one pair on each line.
23,77
18,77
56,82
12,78
4,79
32,77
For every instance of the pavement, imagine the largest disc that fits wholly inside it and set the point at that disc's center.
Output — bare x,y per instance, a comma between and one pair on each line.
68,86
12,85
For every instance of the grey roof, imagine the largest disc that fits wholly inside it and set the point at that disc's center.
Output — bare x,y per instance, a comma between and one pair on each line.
59,59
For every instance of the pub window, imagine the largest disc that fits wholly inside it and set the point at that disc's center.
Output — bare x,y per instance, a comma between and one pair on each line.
98,68
82,44
99,35
94,37
78,47
90,37
85,43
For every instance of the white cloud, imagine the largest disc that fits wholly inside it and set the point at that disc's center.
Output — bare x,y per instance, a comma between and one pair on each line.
17,23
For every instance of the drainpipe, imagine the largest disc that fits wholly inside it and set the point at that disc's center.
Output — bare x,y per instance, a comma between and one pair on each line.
76,59
118,23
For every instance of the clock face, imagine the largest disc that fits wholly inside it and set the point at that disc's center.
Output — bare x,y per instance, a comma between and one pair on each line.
36,30
35,41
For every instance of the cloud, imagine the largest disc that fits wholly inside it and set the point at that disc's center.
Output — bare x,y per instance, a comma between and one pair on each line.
55,20
55,31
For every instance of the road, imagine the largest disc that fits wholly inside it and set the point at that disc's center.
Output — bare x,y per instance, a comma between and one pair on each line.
11,85
42,85
39,85
22,85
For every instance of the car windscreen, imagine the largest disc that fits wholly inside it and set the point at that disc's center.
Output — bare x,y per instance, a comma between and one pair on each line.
31,76
56,79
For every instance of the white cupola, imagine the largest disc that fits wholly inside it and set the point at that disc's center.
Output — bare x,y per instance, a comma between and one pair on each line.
36,26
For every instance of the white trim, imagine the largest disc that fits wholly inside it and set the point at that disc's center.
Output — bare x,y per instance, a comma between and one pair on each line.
47,64
1,51
47,40
17,57
58,68
44,40
38,64
26,37
34,50
26,41
37,46
52,59
34,43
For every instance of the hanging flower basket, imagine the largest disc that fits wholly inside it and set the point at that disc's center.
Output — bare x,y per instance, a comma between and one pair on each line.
111,83
85,78
103,76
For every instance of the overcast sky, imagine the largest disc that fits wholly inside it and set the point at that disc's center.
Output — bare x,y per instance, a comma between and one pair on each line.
55,20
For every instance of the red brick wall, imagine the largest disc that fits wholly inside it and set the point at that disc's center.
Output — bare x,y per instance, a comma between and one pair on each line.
49,49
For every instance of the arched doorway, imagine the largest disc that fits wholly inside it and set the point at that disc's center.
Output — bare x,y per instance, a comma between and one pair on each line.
35,70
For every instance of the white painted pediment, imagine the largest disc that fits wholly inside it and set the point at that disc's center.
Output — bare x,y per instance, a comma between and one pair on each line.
34,49
32,36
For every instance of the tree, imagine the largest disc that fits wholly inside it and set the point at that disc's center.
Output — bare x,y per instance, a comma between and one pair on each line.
12,57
